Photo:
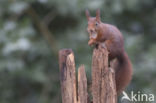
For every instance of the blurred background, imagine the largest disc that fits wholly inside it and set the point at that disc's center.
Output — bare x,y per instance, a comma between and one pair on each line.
32,32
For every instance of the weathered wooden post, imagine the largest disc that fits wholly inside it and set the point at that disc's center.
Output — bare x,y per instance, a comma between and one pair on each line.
103,79
103,83
68,79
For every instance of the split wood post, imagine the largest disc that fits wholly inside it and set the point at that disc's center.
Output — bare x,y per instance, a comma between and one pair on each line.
103,83
82,85
68,79
103,78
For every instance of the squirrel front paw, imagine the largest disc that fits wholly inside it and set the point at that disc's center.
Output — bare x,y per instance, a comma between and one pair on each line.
91,42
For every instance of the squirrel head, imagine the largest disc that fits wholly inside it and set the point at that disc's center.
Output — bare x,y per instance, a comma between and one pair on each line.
94,24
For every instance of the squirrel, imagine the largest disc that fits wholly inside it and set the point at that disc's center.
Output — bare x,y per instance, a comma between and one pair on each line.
112,38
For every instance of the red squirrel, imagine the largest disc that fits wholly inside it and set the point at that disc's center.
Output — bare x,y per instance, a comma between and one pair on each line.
112,38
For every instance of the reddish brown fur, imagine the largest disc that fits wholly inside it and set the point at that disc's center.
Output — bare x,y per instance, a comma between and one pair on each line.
113,40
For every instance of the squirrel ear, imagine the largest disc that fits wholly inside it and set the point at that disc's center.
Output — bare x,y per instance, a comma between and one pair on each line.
87,14
98,15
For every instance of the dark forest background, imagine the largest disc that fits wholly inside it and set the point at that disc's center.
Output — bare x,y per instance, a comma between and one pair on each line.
32,32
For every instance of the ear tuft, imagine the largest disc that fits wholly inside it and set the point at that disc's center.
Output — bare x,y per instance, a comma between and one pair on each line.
98,15
87,14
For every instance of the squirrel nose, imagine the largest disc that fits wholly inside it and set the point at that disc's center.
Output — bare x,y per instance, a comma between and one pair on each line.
92,30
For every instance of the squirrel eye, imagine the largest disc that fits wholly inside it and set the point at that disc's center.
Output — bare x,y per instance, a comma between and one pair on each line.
96,24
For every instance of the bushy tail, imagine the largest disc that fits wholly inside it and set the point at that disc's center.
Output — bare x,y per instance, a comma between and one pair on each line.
123,72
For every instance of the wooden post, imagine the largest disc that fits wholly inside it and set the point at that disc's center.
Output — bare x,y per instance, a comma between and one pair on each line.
103,78
67,76
68,79
103,83
82,85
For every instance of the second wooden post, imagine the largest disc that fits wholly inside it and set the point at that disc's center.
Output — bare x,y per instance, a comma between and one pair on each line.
103,78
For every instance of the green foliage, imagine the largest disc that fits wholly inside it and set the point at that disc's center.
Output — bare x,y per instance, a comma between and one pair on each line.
28,58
